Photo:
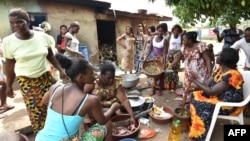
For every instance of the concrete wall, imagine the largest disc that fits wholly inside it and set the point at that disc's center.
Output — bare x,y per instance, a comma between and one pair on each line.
61,13
57,14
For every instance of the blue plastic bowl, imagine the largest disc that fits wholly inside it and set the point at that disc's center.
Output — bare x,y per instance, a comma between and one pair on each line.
127,139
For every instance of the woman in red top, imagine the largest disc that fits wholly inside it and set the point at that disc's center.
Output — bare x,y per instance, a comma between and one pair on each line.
60,39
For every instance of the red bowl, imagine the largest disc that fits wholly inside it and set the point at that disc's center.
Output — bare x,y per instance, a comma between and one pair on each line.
158,120
133,134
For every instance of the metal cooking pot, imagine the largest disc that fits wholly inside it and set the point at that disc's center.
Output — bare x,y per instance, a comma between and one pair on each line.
137,102
129,80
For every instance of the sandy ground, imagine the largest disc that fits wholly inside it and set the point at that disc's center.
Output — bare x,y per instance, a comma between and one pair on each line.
17,119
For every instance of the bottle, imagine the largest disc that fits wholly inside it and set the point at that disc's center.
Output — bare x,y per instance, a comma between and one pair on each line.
175,132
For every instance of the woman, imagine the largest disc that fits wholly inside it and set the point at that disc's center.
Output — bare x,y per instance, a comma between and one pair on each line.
27,54
196,59
110,91
71,42
68,104
175,43
159,49
225,84
140,40
60,39
129,49
147,44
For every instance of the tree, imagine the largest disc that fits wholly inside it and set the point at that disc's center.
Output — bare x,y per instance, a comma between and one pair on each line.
215,11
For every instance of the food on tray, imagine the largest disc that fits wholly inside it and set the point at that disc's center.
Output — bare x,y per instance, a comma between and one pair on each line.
158,112
149,99
152,69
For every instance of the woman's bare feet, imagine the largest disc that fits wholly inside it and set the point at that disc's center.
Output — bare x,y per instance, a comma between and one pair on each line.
152,92
5,108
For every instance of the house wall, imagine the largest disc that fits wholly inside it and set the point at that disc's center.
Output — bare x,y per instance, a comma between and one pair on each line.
57,14
64,13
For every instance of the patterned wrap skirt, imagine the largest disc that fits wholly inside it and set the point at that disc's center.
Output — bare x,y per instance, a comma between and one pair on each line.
33,90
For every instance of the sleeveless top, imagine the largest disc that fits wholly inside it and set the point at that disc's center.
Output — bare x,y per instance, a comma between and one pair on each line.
158,47
175,43
54,129
74,45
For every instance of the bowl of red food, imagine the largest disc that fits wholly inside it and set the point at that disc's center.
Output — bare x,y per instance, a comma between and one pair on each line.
121,131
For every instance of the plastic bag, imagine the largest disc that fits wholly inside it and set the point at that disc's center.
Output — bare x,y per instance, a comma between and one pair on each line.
146,133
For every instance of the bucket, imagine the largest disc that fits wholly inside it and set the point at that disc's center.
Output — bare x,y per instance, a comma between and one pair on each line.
185,119
84,49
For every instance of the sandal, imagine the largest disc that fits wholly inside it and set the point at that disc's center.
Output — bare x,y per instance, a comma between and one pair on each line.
6,108
152,92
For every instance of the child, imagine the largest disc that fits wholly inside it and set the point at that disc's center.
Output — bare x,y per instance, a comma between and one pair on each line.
171,74
211,54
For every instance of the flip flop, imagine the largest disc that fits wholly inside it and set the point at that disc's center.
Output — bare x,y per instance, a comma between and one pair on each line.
5,109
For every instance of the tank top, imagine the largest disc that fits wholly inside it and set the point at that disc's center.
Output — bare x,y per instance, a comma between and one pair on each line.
54,129
175,43
158,47
74,45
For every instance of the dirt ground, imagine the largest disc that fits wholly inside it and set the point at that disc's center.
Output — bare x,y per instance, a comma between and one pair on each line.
17,118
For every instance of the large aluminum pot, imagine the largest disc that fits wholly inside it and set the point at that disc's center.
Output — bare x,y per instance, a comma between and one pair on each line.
129,80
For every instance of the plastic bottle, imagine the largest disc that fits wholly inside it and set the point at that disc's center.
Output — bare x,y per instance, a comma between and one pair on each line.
175,132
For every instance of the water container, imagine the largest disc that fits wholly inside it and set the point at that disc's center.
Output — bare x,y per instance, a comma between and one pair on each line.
84,49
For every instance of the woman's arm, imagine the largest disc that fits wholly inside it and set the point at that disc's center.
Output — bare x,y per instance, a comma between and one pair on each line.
151,48
67,43
215,90
95,110
118,39
165,52
10,75
54,62
208,63
125,102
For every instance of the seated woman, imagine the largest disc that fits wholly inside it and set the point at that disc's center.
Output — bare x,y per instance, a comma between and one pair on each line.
109,90
225,84
68,104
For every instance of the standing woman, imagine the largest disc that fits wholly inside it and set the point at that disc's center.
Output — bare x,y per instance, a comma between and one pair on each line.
175,43
196,60
71,42
27,54
140,40
159,49
129,48
147,44
60,39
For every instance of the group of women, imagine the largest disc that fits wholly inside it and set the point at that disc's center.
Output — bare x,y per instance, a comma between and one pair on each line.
56,110
53,107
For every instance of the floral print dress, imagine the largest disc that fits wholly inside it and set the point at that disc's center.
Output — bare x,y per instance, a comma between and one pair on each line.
194,62
203,105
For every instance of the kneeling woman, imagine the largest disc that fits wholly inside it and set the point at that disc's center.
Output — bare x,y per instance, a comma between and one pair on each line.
110,91
224,85
68,104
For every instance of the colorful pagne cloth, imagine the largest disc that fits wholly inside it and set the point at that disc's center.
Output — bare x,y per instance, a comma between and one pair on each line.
203,105
33,90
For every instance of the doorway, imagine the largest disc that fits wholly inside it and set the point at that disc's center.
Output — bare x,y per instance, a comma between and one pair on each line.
37,18
106,40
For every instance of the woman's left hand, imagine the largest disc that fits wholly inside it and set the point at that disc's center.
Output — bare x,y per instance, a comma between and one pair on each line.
64,75
132,122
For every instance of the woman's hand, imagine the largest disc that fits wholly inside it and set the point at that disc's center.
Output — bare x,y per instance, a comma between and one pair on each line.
132,122
64,75
79,54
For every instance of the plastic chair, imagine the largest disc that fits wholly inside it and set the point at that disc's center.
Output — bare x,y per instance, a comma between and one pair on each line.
239,118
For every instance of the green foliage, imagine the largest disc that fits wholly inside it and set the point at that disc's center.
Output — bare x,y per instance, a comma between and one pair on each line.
215,11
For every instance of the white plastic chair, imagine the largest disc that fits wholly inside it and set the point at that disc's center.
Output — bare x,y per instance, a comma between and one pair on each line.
239,118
